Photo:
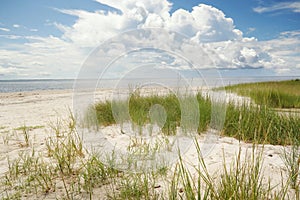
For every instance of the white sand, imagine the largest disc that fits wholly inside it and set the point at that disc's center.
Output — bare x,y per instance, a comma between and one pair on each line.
41,108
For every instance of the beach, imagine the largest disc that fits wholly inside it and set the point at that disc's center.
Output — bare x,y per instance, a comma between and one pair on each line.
41,110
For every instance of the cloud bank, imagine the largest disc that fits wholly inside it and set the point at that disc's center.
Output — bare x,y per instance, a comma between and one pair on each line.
205,25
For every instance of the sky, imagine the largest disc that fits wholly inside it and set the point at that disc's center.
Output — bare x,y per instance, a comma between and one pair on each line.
53,38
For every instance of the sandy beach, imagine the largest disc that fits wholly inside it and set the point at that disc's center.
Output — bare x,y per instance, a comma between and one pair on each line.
41,109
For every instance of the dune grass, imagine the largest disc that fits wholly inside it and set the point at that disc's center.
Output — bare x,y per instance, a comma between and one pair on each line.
249,123
276,94
261,125
139,107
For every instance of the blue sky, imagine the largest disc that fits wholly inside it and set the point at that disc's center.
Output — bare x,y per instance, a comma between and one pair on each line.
264,26
264,35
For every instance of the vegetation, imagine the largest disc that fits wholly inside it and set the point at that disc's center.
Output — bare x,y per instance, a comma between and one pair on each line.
277,94
261,125
139,107
68,171
249,123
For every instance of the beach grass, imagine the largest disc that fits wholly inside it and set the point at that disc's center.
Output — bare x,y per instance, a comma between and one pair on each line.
275,94
262,125
138,111
250,123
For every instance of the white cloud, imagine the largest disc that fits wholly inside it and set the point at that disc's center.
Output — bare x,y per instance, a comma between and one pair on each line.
291,33
49,55
293,6
285,52
133,7
4,29
205,25
251,29
12,37
16,26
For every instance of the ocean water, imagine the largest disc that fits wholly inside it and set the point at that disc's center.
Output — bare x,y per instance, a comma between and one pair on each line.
34,85
63,84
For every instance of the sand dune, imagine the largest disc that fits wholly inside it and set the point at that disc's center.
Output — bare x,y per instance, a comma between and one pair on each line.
41,108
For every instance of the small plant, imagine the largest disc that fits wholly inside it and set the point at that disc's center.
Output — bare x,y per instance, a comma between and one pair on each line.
25,133
95,174
6,137
291,159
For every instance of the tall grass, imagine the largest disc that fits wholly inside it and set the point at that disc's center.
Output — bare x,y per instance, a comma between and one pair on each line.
281,94
291,158
243,179
139,107
261,124
249,123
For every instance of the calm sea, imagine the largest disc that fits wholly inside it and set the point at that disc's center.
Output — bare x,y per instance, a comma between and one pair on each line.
62,84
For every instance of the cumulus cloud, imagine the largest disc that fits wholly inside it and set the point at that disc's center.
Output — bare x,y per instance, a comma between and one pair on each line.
293,6
203,26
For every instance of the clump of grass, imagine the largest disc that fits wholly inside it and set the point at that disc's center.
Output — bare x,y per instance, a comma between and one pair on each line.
241,180
280,94
104,113
136,186
249,123
291,159
139,107
28,174
94,174
25,133
260,125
